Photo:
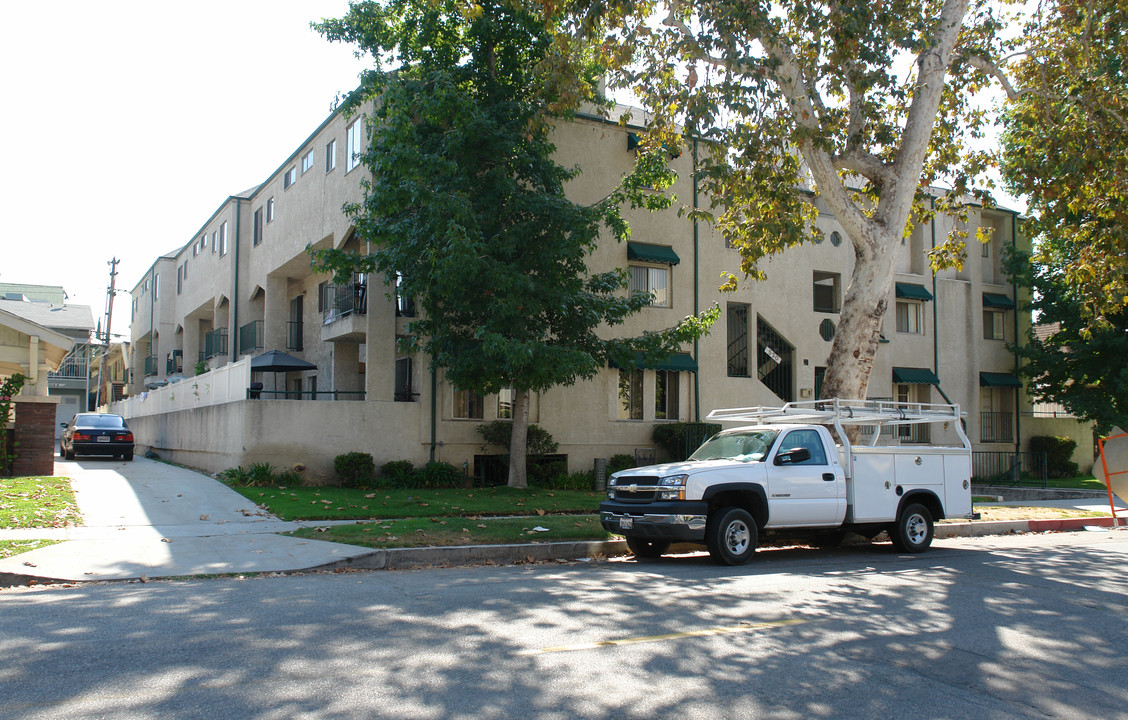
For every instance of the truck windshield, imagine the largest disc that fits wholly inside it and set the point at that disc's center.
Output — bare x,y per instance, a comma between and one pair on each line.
742,445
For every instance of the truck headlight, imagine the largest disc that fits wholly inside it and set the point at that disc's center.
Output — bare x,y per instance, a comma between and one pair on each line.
676,485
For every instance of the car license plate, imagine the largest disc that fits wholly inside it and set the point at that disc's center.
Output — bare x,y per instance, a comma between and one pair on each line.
626,523
103,438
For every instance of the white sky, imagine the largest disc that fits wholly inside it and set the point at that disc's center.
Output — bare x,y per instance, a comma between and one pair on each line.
128,123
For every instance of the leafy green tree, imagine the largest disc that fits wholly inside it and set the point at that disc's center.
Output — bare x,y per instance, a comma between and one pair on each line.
859,105
1064,147
1068,360
466,208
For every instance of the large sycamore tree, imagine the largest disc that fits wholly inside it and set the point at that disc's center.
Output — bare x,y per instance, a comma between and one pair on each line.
467,211
861,105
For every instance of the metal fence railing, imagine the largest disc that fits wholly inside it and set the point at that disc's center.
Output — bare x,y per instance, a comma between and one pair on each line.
1015,469
996,427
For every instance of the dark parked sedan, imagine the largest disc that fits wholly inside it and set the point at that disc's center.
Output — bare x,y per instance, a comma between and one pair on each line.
96,434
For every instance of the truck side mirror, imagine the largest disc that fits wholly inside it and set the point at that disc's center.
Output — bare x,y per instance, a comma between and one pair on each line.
793,456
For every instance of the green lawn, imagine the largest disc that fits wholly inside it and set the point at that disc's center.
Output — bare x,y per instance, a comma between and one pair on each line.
8,548
334,503
37,502
1081,482
430,532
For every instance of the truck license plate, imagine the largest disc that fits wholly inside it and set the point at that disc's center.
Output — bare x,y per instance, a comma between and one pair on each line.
626,523
103,438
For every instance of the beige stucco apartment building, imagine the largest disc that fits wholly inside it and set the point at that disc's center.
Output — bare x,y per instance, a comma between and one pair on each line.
242,285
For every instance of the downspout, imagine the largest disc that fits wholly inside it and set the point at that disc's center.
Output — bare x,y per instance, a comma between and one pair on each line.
935,323
1017,340
234,329
696,299
434,408
152,350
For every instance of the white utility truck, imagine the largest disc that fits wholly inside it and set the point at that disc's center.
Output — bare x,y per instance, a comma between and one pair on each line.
784,473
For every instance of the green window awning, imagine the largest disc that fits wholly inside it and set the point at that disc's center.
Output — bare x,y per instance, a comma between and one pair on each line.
652,253
679,362
995,300
908,291
994,379
914,376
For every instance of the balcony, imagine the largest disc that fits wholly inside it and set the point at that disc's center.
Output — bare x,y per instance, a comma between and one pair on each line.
175,362
996,427
215,343
150,366
73,371
251,337
344,316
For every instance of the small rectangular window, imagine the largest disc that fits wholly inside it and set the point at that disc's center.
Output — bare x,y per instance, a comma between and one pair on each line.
223,238
403,381
737,340
826,291
994,325
215,240
331,155
179,278
505,404
665,395
652,280
290,177
909,317
468,405
270,210
307,162
630,394
257,229
352,155
156,287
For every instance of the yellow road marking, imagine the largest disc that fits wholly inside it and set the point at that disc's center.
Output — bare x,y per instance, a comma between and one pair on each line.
668,636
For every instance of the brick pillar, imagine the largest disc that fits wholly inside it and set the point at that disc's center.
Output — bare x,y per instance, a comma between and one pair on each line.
34,436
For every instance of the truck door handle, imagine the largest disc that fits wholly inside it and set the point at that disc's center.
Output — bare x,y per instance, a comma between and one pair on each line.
828,476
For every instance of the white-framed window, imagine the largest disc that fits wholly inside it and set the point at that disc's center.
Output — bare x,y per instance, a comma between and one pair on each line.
290,177
257,228
307,162
630,394
222,238
215,240
179,277
331,155
352,156
666,394
505,399
468,405
827,292
653,280
195,248
270,210
156,287
994,325
909,317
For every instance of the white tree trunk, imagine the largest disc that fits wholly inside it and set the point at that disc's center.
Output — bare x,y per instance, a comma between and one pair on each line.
519,440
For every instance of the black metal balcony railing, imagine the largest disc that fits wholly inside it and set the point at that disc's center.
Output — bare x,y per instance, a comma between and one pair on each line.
215,343
251,337
295,335
996,427
150,366
914,433
343,300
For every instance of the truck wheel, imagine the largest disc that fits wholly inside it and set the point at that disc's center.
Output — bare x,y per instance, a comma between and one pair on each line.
731,536
644,548
913,530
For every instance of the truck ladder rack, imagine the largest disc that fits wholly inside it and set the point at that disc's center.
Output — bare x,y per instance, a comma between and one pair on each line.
841,412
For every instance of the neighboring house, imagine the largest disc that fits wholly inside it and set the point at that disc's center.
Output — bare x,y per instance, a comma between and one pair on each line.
242,284
44,306
30,349
109,371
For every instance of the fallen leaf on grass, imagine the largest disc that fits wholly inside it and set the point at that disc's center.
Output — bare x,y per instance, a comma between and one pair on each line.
370,495
481,525
539,511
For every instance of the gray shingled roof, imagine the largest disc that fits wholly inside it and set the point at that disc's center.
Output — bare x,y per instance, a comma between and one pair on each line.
50,315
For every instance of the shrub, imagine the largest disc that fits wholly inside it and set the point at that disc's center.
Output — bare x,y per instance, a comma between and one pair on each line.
235,476
288,478
500,432
260,474
439,475
544,471
1059,454
583,480
622,461
679,440
398,473
355,469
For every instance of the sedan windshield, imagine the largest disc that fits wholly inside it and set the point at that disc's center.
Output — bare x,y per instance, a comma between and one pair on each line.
741,445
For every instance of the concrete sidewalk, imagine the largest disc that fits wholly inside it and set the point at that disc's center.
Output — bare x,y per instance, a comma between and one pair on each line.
147,519
151,519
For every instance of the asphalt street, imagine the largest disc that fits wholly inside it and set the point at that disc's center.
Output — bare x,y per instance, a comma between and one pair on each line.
1024,626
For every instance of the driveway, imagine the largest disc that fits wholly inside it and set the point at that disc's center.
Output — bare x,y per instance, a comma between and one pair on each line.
150,519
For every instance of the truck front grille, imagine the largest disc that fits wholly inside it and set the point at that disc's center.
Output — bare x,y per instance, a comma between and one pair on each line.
637,489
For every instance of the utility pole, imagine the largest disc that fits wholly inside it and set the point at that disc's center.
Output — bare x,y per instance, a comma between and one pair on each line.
109,319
